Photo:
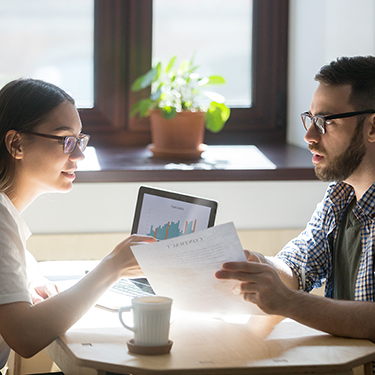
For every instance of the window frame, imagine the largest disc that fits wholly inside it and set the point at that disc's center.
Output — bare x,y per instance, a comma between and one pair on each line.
122,52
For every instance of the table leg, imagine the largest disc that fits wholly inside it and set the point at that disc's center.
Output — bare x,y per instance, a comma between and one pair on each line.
65,363
367,369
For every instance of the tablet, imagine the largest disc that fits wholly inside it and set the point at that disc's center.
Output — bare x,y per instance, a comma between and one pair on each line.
166,214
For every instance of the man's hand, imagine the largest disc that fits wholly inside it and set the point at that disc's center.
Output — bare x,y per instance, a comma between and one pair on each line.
252,256
259,283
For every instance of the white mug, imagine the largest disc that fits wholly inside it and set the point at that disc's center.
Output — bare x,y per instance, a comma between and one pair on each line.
151,316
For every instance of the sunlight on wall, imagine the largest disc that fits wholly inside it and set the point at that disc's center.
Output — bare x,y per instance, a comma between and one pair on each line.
91,162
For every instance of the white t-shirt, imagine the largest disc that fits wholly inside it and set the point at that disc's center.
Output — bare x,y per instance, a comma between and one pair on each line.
13,275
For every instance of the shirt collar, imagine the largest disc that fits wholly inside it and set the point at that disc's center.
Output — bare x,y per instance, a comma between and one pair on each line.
342,193
367,202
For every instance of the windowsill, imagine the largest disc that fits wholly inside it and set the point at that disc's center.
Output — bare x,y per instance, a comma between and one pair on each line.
218,163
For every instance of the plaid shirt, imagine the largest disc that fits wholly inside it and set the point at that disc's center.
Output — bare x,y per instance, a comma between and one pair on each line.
310,254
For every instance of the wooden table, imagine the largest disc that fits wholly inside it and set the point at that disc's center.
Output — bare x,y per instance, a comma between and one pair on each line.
265,345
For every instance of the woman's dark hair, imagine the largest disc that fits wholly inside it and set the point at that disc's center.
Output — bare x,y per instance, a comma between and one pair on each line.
358,72
24,103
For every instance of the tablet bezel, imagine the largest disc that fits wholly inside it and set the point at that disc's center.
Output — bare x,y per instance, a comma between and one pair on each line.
175,196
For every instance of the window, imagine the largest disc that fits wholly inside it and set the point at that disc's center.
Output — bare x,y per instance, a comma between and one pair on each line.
49,40
217,34
123,34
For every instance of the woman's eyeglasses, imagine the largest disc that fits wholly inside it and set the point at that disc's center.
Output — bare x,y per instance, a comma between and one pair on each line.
321,121
69,142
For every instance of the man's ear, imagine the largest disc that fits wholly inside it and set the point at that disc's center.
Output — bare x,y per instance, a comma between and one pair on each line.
371,133
13,143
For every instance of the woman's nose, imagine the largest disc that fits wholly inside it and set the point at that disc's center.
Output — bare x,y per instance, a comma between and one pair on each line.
77,154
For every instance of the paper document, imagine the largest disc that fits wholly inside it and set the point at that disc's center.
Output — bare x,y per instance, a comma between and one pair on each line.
183,268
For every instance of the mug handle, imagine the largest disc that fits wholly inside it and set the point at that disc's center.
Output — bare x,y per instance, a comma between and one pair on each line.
120,311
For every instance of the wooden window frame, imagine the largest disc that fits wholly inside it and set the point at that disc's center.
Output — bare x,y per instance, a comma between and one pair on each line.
122,51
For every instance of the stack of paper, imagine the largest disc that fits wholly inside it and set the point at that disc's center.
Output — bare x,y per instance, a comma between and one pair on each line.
183,268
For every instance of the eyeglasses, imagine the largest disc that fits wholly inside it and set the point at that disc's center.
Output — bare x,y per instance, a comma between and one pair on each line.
69,142
321,121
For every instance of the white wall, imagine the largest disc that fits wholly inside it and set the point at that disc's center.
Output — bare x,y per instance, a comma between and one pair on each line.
92,208
320,31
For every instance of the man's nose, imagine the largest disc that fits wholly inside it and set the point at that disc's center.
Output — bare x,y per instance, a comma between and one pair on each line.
312,135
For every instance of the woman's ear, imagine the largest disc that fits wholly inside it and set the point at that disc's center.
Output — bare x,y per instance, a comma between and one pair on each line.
13,143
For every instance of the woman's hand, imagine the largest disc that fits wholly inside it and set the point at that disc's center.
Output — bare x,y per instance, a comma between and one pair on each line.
124,257
41,292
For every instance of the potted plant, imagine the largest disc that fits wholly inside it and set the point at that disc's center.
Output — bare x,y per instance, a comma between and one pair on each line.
180,108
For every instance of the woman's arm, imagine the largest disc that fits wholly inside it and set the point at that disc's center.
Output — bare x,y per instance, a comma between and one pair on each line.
27,329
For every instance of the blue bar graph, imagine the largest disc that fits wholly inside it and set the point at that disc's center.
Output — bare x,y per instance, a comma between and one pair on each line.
172,229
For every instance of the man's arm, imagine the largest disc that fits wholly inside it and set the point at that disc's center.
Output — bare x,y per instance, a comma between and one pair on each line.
273,288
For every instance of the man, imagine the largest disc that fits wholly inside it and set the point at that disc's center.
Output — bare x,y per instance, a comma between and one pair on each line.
338,243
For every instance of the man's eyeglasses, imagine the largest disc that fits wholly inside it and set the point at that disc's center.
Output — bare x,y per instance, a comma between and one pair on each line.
321,121
69,142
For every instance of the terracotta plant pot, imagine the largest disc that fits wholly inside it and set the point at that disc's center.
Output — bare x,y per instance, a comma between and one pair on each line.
179,137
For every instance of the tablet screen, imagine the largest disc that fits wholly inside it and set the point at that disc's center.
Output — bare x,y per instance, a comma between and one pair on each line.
164,214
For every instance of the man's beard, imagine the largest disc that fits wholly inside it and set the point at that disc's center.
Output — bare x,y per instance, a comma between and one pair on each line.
343,166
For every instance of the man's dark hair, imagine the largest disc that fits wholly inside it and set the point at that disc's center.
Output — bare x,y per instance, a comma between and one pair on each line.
358,72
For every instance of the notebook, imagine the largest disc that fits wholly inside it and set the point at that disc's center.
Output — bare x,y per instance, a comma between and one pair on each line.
161,214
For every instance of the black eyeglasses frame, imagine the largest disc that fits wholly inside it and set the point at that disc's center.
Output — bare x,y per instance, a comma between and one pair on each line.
63,140
321,129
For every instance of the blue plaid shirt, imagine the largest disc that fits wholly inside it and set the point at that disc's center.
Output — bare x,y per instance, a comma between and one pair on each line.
310,254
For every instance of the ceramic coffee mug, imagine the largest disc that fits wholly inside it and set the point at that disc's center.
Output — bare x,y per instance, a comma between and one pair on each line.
151,317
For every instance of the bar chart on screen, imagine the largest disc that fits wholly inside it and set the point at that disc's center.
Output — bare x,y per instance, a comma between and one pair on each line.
172,229
164,218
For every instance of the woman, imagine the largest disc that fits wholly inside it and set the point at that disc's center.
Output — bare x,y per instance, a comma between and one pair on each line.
40,145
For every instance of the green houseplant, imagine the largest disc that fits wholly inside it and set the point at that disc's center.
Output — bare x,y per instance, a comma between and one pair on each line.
179,100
